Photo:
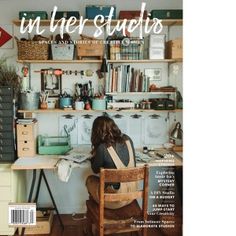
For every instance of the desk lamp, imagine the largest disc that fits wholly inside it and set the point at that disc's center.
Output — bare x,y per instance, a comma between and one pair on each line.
176,134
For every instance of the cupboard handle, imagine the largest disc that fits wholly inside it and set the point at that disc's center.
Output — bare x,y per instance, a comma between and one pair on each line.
25,149
25,132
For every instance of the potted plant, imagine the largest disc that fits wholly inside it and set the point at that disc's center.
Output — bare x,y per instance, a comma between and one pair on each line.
9,76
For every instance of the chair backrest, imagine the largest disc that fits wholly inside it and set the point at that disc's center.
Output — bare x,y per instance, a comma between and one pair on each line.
124,175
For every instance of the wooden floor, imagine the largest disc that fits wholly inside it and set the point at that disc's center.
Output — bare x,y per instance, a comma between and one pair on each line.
74,227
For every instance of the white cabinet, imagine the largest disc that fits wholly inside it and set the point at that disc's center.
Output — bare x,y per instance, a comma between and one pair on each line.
12,189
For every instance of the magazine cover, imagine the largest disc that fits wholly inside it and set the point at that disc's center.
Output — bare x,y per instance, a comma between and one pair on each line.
91,128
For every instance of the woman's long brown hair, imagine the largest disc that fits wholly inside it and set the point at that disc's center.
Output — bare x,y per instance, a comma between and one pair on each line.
105,131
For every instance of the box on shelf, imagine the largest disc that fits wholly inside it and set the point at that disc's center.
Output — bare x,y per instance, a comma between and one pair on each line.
162,104
126,49
155,41
26,139
174,49
33,14
93,10
66,14
89,47
131,15
53,145
167,14
43,224
120,105
154,53
63,51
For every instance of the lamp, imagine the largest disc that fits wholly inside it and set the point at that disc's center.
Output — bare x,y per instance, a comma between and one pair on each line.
176,134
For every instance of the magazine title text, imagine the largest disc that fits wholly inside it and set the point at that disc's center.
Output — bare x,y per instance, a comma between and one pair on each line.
101,23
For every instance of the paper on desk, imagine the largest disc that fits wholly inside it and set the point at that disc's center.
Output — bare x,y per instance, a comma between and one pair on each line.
76,156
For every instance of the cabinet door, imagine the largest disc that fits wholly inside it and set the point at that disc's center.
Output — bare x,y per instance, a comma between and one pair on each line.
135,129
4,229
156,132
68,125
122,122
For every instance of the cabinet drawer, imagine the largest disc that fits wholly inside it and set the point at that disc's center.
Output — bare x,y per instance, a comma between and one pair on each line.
5,193
6,105
4,228
6,142
6,135
5,178
6,149
6,91
6,120
7,157
6,113
26,148
25,132
4,127
6,98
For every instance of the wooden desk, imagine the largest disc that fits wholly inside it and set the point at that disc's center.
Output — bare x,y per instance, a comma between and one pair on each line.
38,163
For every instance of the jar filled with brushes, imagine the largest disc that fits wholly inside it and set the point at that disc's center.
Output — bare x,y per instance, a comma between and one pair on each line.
44,100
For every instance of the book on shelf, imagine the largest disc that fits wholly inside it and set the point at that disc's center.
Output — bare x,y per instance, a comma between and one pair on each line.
123,78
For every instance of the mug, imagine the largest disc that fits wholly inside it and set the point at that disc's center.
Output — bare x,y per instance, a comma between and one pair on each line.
79,105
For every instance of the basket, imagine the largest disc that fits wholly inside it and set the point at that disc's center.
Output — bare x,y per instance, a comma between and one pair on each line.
126,49
32,50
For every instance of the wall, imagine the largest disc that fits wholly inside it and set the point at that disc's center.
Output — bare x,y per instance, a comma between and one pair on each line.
68,195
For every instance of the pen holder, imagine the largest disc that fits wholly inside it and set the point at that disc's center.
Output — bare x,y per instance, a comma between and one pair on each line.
43,105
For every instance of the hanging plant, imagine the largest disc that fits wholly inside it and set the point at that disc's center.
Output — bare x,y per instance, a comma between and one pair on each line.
9,76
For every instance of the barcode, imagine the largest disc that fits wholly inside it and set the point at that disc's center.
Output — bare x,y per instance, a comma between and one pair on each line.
22,215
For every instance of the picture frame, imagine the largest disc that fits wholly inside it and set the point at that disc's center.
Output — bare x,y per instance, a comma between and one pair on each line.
154,75
51,81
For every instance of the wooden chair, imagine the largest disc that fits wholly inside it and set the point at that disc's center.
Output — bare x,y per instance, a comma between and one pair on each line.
109,221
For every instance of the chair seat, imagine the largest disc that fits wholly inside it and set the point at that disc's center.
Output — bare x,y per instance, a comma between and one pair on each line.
124,215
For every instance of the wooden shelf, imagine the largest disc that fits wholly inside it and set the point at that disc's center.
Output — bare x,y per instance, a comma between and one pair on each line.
93,111
59,61
165,22
138,93
97,61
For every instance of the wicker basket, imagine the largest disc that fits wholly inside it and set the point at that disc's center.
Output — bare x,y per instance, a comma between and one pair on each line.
32,50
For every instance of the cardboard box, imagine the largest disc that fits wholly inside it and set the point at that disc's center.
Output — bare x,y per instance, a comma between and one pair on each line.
43,224
26,139
154,53
90,48
174,49
155,41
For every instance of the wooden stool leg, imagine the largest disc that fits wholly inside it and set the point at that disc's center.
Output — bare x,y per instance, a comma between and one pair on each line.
88,228
144,231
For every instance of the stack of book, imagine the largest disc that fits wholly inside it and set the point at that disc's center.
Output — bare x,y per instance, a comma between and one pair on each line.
125,79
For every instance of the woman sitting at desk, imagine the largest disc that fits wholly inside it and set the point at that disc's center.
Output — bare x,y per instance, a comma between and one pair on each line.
110,150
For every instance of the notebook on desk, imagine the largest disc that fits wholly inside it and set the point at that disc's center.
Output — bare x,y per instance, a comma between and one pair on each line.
77,155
